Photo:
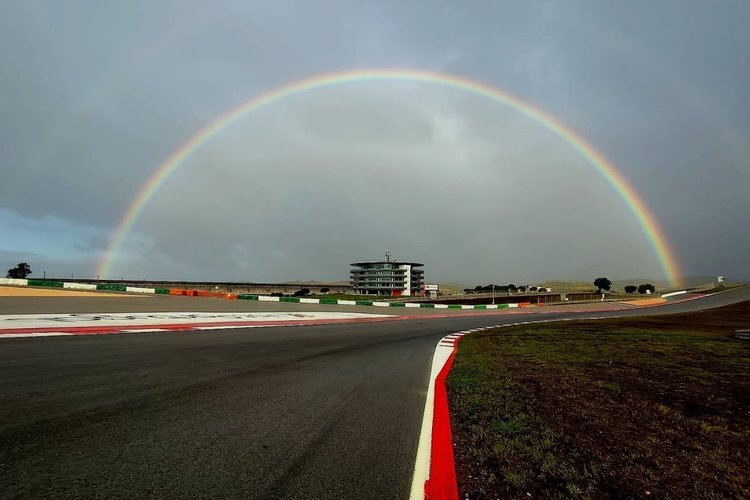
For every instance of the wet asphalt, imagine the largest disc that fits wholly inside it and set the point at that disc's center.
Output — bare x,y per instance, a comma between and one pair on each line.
294,412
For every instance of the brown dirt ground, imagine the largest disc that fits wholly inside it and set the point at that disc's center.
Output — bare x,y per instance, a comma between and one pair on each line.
24,291
646,302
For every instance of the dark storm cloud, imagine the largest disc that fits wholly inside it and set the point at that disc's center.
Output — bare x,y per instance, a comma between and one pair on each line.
488,200
96,95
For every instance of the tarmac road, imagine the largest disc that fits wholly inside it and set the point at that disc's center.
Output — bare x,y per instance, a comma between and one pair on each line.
297,412
171,303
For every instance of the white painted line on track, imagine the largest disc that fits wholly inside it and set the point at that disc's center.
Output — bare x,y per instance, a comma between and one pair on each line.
228,327
144,330
39,334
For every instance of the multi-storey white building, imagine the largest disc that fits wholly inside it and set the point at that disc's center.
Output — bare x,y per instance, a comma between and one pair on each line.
387,277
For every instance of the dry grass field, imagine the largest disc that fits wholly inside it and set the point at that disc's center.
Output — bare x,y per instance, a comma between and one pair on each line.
627,408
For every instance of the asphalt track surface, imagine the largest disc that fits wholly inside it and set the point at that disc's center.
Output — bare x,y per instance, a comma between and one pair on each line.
295,412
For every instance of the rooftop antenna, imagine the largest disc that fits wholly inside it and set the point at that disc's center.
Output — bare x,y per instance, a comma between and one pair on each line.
387,255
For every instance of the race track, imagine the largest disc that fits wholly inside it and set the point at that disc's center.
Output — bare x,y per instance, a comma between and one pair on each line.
330,411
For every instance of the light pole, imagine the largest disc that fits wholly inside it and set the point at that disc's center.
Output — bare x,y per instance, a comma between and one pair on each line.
493,295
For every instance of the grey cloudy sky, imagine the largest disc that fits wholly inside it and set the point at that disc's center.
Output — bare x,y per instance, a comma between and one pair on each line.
95,95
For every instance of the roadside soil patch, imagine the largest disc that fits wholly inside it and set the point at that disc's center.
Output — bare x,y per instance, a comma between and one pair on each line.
627,408
645,302
25,291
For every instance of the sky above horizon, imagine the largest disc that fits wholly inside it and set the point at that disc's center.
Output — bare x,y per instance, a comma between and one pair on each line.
95,95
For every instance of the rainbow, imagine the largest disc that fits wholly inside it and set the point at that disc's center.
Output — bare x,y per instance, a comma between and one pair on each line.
607,169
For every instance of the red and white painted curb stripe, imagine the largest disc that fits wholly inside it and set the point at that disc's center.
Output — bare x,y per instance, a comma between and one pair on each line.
434,470
104,330
91,328
49,325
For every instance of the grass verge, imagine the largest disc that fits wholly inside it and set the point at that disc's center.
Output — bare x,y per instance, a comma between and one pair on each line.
628,408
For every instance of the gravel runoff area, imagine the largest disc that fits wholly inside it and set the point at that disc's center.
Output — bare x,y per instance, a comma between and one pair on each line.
617,408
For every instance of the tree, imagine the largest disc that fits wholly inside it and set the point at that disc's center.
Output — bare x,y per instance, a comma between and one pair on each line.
602,284
522,288
325,290
631,289
20,271
646,288
302,292
532,288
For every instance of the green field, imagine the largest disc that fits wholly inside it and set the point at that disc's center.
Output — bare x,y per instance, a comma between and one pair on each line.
651,407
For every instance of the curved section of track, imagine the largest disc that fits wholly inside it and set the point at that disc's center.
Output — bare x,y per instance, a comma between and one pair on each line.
330,411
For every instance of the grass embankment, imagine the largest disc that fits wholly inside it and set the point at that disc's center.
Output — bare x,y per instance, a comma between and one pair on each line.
622,408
